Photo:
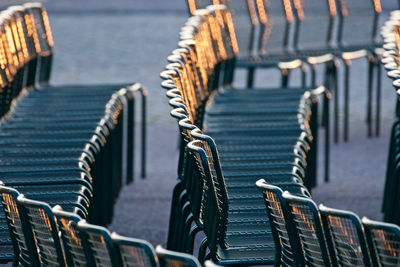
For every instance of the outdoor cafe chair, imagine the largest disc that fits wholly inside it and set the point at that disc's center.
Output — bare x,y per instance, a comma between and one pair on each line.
42,222
346,237
309,228
383,241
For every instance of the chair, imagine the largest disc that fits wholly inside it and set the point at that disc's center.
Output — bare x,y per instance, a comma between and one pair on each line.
135,252
383,242
309,228
357,38
45,231
346,238
171,258
267,148
24,247
101,245
287,243
76,247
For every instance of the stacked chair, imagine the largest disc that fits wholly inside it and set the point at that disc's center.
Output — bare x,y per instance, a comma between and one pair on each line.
278,34
45,236
68,145
390,33
230,139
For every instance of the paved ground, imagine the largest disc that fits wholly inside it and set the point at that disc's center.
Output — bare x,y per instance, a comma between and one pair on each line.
125,41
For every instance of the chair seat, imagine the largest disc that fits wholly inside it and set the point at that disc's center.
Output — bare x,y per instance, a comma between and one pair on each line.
257,255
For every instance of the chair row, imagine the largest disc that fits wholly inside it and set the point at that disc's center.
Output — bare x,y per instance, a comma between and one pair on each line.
390,33
46,236
307,235
229,139
272,33
68,145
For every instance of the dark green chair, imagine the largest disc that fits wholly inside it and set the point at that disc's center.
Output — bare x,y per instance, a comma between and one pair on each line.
287,243
76,247
169,258
383,242
345,236
309,228
42,222
24,251
101,245
135,252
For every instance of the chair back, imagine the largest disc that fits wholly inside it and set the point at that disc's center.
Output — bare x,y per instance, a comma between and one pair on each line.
358,22
100,243
383,242
287,243
214,209
307,221
135,252
45,231
76,247
309,13
20,232
43,39
169,258
345,236
276,19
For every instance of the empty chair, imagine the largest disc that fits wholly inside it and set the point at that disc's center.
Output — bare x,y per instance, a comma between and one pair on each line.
101,244
345,235
135,252
287,243
383,242
307,221
45,231
169,258
25,252
76,246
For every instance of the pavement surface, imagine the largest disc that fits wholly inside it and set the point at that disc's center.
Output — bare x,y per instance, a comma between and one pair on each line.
100,41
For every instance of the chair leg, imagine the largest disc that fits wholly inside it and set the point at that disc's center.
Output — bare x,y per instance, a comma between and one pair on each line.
335,89
203,250
192,235
313,76
346,99
144,134
285,77
327,99
378,97
250,77
371,65
303,76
